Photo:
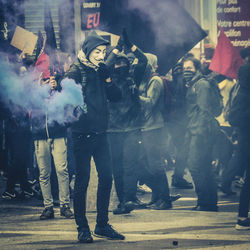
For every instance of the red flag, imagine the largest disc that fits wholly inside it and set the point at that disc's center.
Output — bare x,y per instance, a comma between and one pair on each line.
42,66
226,59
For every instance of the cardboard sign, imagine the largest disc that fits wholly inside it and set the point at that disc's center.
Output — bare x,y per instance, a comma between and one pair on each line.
24,40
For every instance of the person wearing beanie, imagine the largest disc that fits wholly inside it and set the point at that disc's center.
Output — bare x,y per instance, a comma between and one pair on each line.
89,135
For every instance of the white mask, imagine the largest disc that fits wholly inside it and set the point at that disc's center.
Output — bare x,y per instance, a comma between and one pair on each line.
97,55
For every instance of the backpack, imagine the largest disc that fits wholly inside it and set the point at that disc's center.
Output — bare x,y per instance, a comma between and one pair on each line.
216,99
167,102
231,110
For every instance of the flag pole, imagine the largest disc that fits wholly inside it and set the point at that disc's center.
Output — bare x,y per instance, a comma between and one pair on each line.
202,50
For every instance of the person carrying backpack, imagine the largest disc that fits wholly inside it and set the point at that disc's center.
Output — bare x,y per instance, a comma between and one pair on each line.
201,131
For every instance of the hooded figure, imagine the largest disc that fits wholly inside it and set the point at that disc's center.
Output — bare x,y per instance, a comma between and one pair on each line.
124,126
89,135
151,92
202,129
151,97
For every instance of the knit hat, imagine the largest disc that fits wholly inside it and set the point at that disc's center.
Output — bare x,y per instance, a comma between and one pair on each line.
91,42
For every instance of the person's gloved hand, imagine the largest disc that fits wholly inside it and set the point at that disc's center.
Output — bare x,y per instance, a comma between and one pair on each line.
120,44
103,71
126,40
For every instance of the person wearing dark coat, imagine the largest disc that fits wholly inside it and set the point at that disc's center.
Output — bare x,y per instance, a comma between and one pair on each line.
90,137
240,107
151,98
176,126
201,130
124,126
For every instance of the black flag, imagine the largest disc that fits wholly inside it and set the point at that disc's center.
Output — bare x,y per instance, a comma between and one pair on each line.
49,29
161,27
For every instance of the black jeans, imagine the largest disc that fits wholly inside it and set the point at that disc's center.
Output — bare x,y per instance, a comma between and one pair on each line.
244,144
200,166
177,131
116,141
150,156
125,163
85,146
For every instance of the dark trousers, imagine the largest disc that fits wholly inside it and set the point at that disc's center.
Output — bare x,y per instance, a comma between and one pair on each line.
19,145
150,156
244,144
125,163
235,167
116,142
177,131
85,146
199,160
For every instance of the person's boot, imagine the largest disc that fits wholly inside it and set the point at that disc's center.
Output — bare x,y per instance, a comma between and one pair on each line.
124,208
84,235
160,205
66,212
108,232
181,183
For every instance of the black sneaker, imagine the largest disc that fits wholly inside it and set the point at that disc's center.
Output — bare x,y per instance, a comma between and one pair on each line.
181,183
84,236
161,205
243,224
108,232
66,212
205,208
124,208
9,195
48,213
137,204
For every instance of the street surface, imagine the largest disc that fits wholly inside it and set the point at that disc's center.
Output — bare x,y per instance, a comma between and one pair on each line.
178,228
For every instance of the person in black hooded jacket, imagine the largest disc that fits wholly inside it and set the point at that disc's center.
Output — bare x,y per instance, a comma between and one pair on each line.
241,113
89,135
202,128
125,123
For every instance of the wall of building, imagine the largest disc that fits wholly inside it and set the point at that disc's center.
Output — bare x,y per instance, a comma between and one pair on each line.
34,16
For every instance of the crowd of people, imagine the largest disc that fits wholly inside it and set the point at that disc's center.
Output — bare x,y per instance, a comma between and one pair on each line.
135,124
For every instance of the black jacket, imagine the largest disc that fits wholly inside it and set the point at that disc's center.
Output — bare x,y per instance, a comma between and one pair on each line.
199,118
239,115
96,92
125,115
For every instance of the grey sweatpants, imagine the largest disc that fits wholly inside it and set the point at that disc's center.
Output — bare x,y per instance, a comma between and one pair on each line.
44,150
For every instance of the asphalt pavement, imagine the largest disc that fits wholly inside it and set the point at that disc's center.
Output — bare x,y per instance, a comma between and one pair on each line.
178,228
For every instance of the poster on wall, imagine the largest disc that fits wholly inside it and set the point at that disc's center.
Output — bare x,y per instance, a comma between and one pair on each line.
90,14
233,17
